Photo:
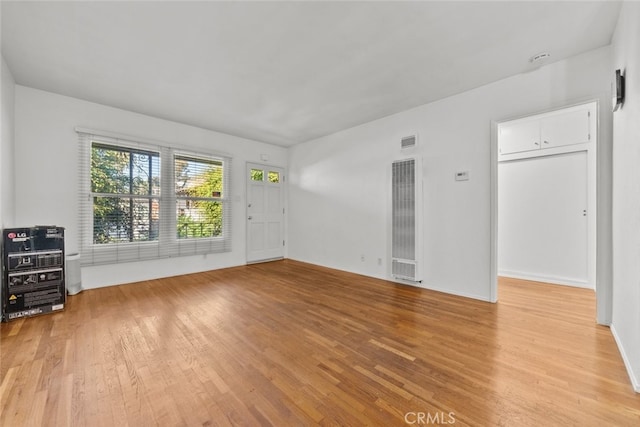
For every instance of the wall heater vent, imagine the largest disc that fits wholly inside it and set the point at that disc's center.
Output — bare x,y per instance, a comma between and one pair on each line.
405,231
409,141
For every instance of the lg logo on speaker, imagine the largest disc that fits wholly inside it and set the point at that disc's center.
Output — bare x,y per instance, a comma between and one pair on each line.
17,235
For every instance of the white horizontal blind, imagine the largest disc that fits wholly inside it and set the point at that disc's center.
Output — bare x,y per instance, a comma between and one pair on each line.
201,206
131,207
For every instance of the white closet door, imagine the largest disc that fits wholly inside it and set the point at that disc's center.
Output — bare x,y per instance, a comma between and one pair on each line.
542,209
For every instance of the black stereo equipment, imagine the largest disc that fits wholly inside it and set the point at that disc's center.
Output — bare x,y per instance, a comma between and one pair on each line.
33,271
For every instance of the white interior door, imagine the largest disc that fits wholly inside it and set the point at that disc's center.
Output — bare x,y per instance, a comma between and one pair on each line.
543,225
265,212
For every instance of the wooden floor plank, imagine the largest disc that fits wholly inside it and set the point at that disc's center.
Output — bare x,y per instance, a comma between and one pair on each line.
288,343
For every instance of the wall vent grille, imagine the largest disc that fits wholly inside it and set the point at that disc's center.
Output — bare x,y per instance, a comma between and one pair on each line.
409,141
404,232
403,269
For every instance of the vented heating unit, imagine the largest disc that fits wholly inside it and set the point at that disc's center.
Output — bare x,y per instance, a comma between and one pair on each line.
406,236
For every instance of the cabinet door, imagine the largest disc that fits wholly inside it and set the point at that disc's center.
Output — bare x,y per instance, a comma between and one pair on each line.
565,129
519,136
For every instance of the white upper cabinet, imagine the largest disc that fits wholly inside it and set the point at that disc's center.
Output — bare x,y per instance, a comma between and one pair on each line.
519,136
555,129
565,129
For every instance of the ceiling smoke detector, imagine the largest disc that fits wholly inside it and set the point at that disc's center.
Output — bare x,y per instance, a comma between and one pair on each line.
539,57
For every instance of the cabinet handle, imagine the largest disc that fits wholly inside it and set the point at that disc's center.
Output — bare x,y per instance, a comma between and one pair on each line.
546,142
536,143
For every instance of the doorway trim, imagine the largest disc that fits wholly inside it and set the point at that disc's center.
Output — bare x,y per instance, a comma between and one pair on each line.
595,179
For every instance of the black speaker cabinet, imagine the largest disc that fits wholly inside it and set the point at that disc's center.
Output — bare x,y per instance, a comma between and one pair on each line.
33,271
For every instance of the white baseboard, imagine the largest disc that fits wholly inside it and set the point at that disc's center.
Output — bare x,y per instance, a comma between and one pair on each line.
423,285
546,279
635,381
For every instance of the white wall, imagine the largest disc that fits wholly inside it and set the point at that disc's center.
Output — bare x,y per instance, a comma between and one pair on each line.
6,147
46,154
339,184
626,193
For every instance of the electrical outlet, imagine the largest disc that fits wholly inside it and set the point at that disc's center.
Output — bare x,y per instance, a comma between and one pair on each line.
379,261
361,258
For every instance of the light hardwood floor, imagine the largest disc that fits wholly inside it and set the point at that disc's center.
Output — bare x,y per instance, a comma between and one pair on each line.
287,343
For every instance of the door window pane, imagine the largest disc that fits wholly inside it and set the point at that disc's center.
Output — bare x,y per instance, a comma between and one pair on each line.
274,177
257,175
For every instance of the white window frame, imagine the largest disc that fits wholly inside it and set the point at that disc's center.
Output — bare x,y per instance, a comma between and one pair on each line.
168,244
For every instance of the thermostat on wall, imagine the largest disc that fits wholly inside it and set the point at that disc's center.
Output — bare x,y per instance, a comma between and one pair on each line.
462,176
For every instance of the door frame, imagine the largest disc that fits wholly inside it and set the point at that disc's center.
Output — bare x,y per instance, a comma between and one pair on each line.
598,262
284,200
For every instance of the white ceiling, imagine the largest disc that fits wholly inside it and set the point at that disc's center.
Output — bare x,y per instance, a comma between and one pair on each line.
286,72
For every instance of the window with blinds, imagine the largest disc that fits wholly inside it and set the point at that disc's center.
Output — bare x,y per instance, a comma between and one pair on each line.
199,202
125,192
139,200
